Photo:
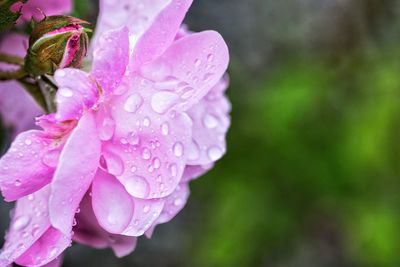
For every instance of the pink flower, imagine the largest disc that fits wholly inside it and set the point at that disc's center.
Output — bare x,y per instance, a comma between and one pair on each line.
36,8
126,139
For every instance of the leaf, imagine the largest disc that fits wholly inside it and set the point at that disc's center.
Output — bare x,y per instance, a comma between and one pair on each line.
8,17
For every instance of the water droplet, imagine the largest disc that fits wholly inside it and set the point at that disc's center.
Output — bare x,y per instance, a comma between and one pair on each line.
197,63
173,169
210,57
133,169
146,122
133,103
188,93
53,252
28,142
18,183
133,139
162,101
156,163
107,129
31,197
214,153
207,77
21,222
121,89
210,121
178,202
193,151
178,149
51,158
165,128
35,231
157,71
146,154
66,92
169,83
137,186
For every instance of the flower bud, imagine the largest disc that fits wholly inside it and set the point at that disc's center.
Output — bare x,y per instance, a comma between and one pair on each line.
56,42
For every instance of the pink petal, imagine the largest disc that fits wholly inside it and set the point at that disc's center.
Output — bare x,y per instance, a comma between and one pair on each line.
174,203
145,214
77,92
110,58
77,166
137,15
29,222
151,146
112,205
161,33
24,168
195,171
55,263
210,125
35,8
192,66
46,249
89,232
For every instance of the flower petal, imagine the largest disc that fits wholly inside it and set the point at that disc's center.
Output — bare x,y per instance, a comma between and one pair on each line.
29,222
112,205
191,66
23,168
151,147
77,166
137,15
77,91
210,124
46,249
89,232
110,58
36,8
161,33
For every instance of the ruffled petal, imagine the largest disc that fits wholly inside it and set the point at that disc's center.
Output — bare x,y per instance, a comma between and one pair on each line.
112,205
159,36
89,232
77,92
211,122
174,203
195,171
46,249
187,71
110,58
30,221
137,15
77,166
57,262
25,169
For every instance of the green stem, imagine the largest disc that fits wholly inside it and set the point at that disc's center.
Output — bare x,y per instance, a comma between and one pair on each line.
11,59
12,75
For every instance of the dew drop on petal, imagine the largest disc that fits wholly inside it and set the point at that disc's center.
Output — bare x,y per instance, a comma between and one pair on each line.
146,154
107,129
21,222
115,164
65,92
178,202
214,153
50,159
193,151
173,169
162,101
133,103
146,208
137,186
133,139
165,128
178,149
210,121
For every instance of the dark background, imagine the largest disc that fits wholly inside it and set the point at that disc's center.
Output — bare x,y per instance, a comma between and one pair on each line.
311,177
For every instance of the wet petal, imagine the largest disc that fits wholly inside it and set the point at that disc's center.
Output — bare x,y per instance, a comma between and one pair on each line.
89,232
110,58
77,166
137,15
55,263
46,249
196,63
36,8
23,168
77,92
161,33
195,171
112,205
29,222
211,122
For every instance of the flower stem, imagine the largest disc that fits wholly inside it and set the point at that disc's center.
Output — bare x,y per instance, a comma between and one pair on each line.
15,60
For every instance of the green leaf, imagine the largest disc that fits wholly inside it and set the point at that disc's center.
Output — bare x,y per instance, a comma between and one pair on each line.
8,17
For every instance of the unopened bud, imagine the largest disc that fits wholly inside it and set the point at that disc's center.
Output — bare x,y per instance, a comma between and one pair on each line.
57,42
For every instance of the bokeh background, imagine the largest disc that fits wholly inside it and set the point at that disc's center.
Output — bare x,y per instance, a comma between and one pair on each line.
311,177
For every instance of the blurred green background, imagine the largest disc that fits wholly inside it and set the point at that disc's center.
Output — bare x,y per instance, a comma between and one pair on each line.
311,177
